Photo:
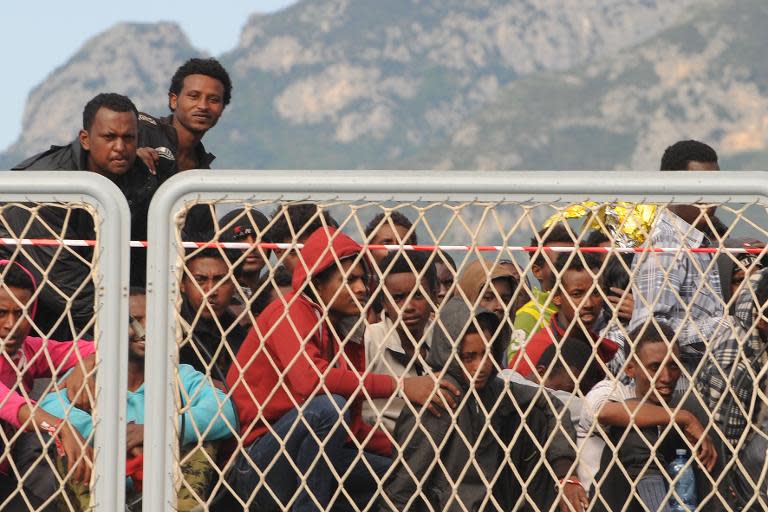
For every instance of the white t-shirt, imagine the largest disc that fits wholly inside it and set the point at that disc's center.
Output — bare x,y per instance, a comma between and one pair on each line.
589,433
384,354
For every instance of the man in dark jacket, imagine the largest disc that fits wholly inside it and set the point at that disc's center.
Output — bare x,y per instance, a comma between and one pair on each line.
469,451
106,145
200,90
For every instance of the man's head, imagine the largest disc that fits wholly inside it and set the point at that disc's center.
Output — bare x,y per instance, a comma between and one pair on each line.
110,134
616,276
342,289
654,364
597,238
761,295
445,268
690,155
295,223
408,298
271,286
390,228
199,91
565,371
556,235
207,283
247,227
137,304
578,296
16,293
475,350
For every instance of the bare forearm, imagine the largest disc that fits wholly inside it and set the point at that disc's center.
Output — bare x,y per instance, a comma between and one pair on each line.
622,414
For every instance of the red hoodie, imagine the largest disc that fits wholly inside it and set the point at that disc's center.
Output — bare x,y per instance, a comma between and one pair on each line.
291,344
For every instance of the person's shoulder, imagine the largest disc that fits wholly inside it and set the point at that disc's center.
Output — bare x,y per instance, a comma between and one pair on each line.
54,158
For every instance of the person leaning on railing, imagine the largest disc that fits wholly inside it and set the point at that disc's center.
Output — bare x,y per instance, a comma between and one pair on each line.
298,383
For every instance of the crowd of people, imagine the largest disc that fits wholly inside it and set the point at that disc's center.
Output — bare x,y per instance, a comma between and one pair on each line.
324,375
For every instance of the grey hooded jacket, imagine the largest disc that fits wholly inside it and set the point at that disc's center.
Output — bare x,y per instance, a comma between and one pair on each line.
478,448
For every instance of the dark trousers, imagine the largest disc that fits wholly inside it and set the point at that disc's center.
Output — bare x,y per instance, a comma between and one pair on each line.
39,479
291,461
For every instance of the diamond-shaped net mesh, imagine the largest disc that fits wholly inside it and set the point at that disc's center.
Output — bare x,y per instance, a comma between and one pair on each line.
48,263
364,355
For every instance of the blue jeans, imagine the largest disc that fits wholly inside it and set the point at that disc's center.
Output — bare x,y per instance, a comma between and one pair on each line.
292,449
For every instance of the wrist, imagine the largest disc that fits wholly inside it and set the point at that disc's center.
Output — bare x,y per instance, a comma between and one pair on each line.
571,480
54,430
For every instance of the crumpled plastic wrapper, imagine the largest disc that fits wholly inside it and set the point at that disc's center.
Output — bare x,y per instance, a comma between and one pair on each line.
628,223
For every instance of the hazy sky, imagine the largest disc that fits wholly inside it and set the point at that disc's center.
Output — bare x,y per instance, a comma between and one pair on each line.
36,36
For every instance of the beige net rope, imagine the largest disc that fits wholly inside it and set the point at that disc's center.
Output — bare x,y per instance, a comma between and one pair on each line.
366,355
47,287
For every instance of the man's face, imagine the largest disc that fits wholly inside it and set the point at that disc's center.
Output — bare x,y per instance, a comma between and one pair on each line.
111,142
137,305
409,303
199,104
350,285
695,214
253,262
497,296
578,297
444,281
387,234
475,359
543,273
208,286
14,326
289,258
655,371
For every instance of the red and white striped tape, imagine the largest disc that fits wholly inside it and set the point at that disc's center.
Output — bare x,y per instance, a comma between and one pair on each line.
463,248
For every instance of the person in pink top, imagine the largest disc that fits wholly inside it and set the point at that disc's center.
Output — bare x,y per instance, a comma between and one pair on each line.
24,358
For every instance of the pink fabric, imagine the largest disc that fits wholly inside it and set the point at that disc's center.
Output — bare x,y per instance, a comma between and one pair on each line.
39,358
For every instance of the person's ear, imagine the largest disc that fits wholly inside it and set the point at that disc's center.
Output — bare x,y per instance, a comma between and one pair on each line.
536,270
172,101
85,141
541,370
630,368
557,298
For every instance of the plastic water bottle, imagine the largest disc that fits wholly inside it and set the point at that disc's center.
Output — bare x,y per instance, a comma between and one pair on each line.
685,487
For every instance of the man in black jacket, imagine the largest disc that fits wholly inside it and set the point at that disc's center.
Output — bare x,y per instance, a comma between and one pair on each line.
200,90
106,145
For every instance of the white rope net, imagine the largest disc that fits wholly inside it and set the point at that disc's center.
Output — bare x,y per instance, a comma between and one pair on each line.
46,301
595,350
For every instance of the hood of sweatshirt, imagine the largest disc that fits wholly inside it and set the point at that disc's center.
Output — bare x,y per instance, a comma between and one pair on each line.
454,319
482,272
323,248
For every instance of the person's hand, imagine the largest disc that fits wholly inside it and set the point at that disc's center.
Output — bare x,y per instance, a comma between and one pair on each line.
150,157
574,497
425,389
694,432
78,453
134,438
81,384
625,305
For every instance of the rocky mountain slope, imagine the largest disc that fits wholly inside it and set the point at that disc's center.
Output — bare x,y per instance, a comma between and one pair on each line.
706,77
444,83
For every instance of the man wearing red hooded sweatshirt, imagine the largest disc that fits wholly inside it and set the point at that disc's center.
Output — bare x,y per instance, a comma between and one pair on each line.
298,383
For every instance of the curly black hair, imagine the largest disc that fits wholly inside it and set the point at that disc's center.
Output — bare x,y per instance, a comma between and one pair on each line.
110,101
208,67
680,154
299,219
421,262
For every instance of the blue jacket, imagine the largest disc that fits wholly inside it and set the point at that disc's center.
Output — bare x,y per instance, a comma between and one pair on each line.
201,420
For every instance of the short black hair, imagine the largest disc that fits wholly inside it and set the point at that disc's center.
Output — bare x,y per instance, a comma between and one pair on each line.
445,258
595,237
575,263
268,283
413,262
398,219
652,333
109,100
573,352
299,219
208,67
486,320
557,232
16,277
193,254
680,154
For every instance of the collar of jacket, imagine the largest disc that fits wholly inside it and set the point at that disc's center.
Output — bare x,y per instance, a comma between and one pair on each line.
203,157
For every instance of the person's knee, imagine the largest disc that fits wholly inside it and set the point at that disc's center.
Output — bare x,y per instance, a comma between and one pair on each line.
325,411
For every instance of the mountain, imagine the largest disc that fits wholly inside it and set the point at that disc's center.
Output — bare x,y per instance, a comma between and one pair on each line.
137,60
357,84
706,77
